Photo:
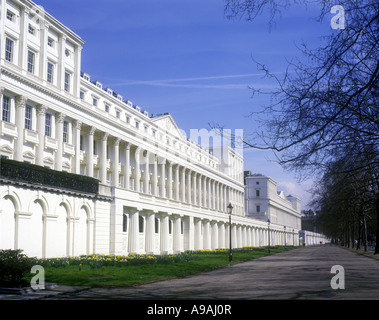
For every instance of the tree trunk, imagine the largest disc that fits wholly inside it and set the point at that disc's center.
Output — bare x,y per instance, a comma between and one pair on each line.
377,224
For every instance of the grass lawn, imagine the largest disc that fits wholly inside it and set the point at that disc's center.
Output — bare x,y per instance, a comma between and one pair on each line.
121,274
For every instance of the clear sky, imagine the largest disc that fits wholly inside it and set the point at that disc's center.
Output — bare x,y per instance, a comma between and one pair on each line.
185,58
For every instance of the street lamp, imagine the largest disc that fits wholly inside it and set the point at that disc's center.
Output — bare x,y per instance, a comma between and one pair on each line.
268,223
293,237
285,236
230,210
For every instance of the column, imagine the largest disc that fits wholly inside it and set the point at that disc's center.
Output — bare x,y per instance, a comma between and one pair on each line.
209,194
221,236
205,193
199,198
225,200
103,158
214,238
206,235
43,49
91,132
116,160
59,118
177,234
189,196
127,166
169,180
20,124
146,180
133,231
194,188
154,183
183,185
22,53
76,143
61,57
41,112
163,179
77,69
176,183
150,232
137,169
198,235
234,236
164,233
213,195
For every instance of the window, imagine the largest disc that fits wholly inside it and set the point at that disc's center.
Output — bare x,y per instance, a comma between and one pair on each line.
50,42
118,114
31,61
257,193
6,109
94,102
124,223
137,124
50,72
31,30
10,15
48,125
65,131
170,227
156,225
141,222
67,81
82,95
127,119
28,117
9,47
106,108
258,209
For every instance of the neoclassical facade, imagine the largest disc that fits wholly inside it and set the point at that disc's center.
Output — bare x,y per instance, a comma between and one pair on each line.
156,190
264,202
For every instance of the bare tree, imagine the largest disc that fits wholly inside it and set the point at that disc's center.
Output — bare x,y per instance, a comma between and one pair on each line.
328,105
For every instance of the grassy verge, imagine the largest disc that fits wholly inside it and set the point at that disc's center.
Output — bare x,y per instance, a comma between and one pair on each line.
108,271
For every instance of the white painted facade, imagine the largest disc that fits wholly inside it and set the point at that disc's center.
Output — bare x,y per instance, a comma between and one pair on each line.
264,202
159,192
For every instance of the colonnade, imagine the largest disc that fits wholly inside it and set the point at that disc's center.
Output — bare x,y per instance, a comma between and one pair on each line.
146,231
121,163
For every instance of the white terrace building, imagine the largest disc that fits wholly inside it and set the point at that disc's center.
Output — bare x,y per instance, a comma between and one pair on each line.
264,202
156,192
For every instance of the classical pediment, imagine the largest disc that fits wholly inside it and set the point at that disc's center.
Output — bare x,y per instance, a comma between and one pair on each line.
167,123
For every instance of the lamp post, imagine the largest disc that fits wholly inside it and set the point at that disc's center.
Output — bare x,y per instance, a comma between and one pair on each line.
285,236
230,210
293,237
268,223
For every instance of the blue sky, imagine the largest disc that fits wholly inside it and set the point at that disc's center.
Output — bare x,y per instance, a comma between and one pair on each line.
184,57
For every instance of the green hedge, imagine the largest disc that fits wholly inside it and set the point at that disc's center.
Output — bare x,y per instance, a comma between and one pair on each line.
14,266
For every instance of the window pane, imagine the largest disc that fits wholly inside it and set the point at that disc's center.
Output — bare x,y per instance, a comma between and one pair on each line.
9,50
6,109
28,118
48,125
31,59
141,224
50,72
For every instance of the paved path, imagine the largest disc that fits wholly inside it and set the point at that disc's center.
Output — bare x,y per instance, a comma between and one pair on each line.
303,273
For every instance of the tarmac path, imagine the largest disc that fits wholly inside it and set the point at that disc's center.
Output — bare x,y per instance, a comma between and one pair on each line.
302,274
